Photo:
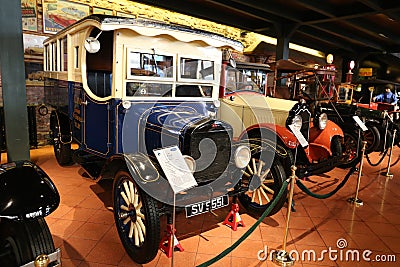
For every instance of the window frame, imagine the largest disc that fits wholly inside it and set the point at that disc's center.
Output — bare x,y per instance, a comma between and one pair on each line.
130,77
197,80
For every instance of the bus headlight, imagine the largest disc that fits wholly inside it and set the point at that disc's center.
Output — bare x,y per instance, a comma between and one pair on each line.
242,156
322,121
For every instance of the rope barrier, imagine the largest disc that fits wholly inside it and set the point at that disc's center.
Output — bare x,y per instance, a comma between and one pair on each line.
379,161
251,229
397,161
308,192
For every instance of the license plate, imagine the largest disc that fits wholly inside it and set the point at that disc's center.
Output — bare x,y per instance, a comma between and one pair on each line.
205,206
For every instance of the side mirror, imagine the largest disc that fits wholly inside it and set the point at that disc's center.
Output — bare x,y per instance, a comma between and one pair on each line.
232,63
92,45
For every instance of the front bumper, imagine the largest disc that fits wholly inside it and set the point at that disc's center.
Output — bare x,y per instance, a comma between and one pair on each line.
54,259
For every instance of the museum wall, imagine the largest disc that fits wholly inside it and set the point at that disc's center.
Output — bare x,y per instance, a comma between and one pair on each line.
42,18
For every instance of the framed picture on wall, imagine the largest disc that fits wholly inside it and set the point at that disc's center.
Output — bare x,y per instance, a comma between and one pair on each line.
126,15
29,15
98,10
59,14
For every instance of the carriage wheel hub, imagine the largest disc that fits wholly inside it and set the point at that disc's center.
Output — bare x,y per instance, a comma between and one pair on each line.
132,213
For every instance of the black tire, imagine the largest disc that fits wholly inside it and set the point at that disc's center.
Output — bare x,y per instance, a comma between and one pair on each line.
336,149
252,200
62,147
287,160
22,241
141,214
336,146
372,136
350,145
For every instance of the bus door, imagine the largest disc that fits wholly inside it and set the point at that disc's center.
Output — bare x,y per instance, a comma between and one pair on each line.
96,113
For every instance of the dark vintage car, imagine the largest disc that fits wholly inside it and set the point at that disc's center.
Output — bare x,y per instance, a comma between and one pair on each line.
316,87
343,115
27,195
385,116
379,118
139,100
241,95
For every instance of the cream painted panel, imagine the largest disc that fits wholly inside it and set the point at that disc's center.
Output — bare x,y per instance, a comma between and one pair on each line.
253,109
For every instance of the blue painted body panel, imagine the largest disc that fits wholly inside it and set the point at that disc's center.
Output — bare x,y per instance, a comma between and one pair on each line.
149,125
106,128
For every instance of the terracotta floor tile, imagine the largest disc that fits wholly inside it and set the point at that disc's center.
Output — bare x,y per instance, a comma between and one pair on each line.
128,262
179,259
77,248
327,224
393,242
71,199
320,211
300,222
382,229
202,258
190,244
60,211
306,237
95,264
248,249
94,231
65,228
213,244
371,241
106,253
101,216
79,214
111,235
218,230
274,234
240,262
354,226
70,263
91,202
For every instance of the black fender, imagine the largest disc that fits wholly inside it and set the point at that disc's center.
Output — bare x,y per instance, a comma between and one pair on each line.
61,122
136,163
26,191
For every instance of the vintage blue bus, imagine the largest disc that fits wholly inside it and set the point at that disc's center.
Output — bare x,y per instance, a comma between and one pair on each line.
121,89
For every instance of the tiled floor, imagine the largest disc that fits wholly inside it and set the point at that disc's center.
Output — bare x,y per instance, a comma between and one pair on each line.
84,228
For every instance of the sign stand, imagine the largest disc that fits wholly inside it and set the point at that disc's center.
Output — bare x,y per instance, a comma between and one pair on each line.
282,257
388,173
355,200
180,179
